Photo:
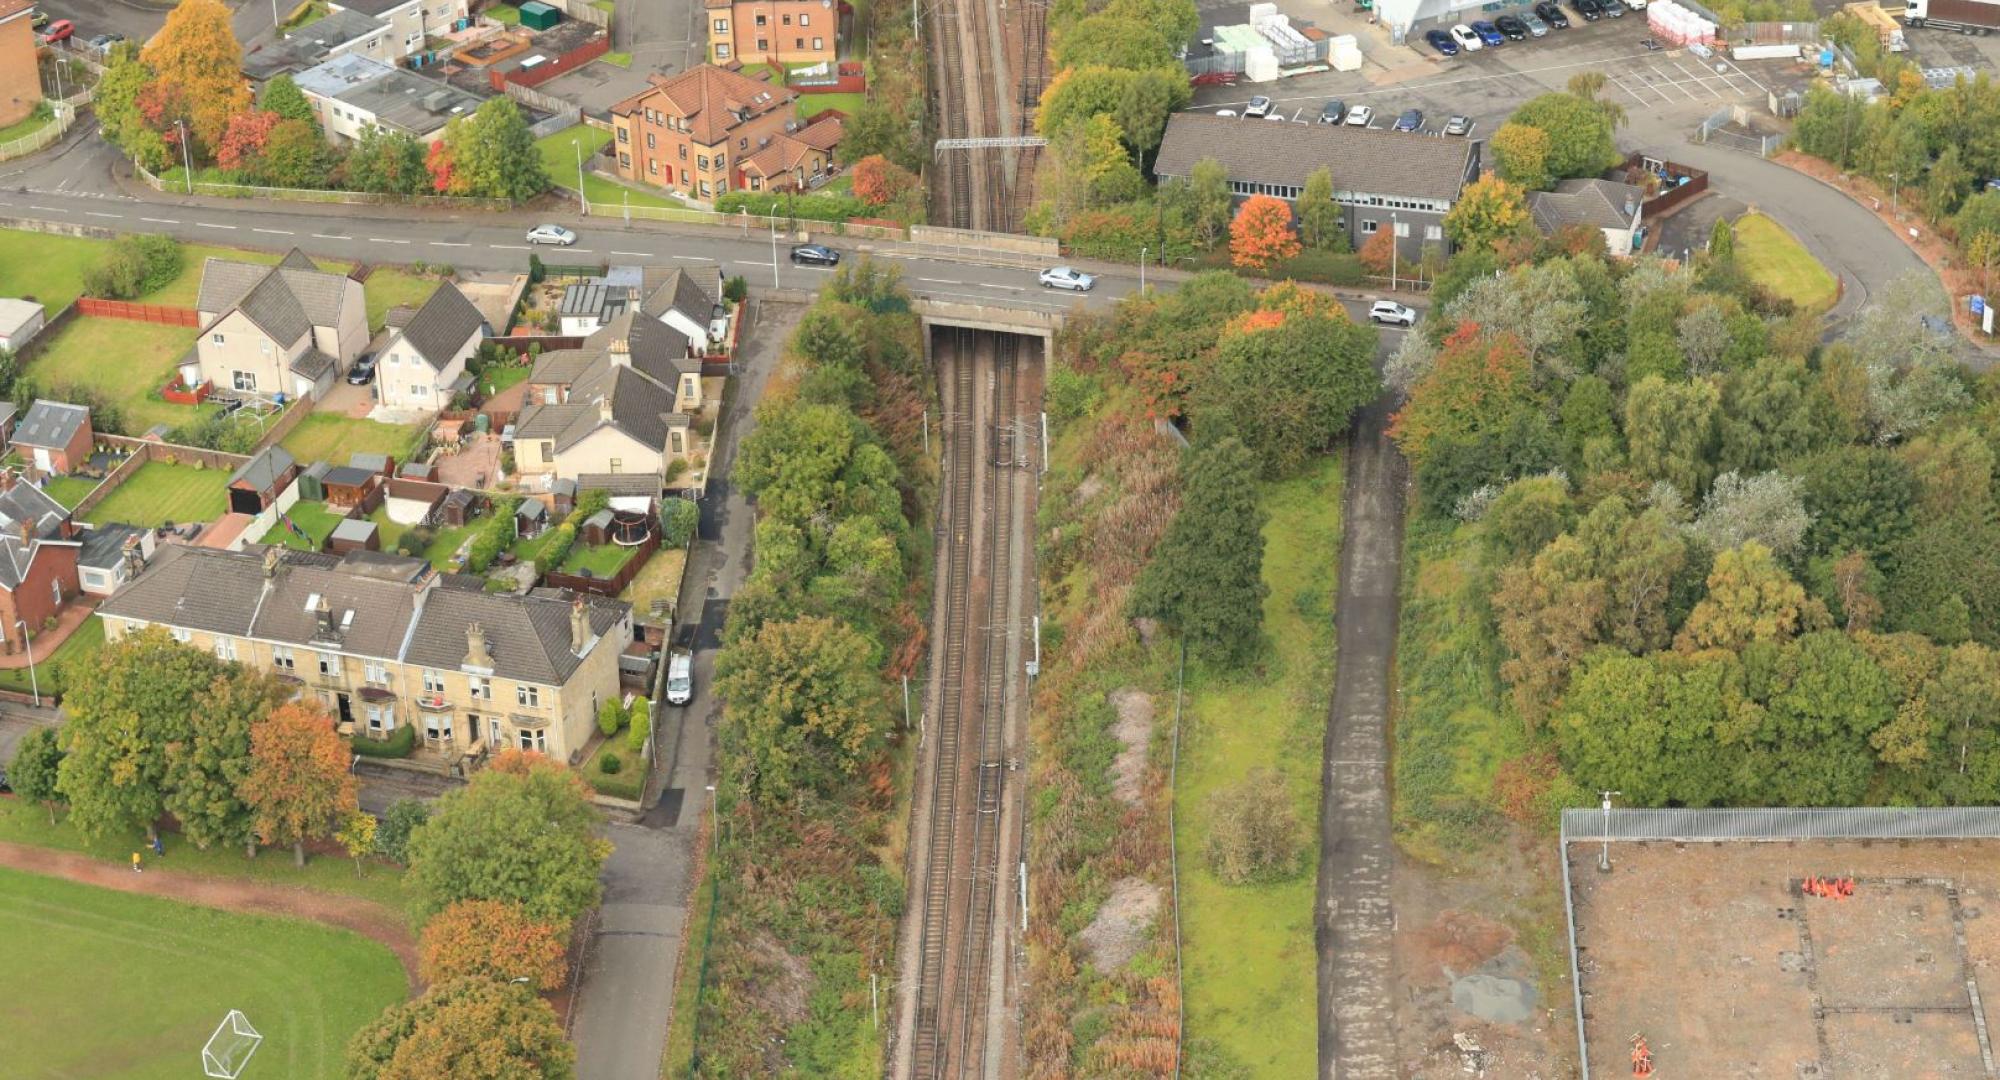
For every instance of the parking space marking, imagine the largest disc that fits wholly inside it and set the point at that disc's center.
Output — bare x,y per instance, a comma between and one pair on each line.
1423,87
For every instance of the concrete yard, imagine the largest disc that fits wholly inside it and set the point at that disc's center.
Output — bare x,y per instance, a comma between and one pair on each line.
1711,952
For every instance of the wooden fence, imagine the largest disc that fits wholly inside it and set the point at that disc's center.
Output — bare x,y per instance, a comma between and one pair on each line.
146,313
616,583
145,450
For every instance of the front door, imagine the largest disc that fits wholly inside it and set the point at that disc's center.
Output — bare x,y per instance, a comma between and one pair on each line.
344,707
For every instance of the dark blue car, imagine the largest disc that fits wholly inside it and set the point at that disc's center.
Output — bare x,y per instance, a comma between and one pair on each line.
1488,33
1442,42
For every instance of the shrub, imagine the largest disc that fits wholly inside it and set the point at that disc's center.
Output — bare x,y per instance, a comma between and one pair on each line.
398,745
536,271
609,763
735,289
392,838
496,534
640,716
557,548
492,939
610,718
1254,830
678,520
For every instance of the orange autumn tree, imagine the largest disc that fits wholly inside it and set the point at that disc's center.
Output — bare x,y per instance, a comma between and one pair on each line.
1262,233
1477,380
1377,252
299,785
879,181
195,57
494,939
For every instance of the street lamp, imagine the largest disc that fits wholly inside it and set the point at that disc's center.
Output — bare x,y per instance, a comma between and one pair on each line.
582,203
1604,856
1393,251
1142,270
187,159
33,683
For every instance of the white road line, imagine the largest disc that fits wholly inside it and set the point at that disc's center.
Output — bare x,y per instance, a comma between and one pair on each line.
275,232
1761,88
1008,288
325,236
46,209
581,251
698,258
162,220
814,269
94,213
634,254
1697,78
447,243
509,247
385,240
940,281
213,225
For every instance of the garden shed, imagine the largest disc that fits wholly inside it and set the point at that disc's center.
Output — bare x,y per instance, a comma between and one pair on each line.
539,16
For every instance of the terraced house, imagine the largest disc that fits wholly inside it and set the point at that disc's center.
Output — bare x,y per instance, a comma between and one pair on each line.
386,642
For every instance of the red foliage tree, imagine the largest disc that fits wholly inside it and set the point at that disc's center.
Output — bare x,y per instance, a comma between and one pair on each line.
494,939
1377,251
1477,380
443,171
244,139
1262,233
298,784
879,181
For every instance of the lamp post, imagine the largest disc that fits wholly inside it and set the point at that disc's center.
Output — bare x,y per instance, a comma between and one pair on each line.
1394,251
1142,270
33,682
61,63
582,201
1604,856
187,159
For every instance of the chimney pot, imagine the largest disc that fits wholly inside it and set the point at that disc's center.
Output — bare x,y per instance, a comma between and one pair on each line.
271,561
579,626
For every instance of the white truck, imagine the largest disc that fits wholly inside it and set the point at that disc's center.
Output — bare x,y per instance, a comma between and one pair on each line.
680,677
1965,16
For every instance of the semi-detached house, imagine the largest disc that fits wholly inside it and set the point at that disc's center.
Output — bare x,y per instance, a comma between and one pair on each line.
384,641
268,330
423,364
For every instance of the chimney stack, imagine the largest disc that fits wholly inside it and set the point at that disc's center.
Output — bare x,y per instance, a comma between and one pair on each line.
27,531
604,408
7,478
325,614
579,626
476,654
620,352
271,561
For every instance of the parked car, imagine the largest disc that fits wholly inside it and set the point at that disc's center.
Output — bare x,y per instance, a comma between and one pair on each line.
1333,112
1552,14
103,42
1611,8
363,371
40,20
1536,27
1064,277
1259,106
1587,8
815,255
1389,311
551,234
1411,120
1442,42
1458,125
59,30
1489,33
1360,116
1636,5
1513,28
1467,38
1225,112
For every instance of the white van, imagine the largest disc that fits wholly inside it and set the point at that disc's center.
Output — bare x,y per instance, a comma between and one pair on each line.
680,677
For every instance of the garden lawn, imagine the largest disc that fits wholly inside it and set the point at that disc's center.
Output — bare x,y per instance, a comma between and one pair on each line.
559,158
1776,260
660,580
159,493
389,529
146,356
446,545
312,518
48,268
1248,949
111,984
49,670
629,782
500,378
386,288
603,560
331,437
504,14
68,490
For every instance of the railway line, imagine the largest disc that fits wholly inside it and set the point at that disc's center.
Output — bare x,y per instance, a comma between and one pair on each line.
960,1027
972,189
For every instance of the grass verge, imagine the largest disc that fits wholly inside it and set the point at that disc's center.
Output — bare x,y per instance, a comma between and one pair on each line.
388,287
312,518
1248,950
50,669
68,490
1773,258
109,983
159,493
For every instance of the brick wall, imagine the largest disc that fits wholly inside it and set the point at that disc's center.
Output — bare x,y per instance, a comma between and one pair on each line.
20,80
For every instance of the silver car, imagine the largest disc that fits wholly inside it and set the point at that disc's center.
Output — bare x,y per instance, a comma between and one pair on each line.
1536,27
1065,277
551,234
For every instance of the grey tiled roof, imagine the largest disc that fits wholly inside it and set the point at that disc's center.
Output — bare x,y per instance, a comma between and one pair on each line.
1600,204
639,406
679,289
529,636
271,306
26,502
355,529
312,364
1363,160
318,294
346,476
196,588
50,424
620,483
224,283
442,326
551,421
561,365
262,471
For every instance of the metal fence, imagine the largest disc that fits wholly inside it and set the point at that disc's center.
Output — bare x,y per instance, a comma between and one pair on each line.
1583,826
1714,130
353,198
688,215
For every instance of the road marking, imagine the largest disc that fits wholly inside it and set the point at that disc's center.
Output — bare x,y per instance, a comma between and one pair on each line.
325,236
274,232
46,209
93,213
162,220
447,243
698,258
509,247
634,254
385,240
940,281
581,251
1009,288
213,225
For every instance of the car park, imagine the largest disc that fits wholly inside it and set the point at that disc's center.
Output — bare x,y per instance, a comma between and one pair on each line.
1552,14
1442,42
1278,116
1467,38
1513,28
551,234
1458,125
1488,33
1064,277
59,30
1411,120
1360,116
1389,311
1611,9
1259,106
1588,9
363,371
1333,112
815,255
1536,27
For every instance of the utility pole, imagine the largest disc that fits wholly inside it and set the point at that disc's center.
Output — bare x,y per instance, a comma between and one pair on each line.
187,159
1604,856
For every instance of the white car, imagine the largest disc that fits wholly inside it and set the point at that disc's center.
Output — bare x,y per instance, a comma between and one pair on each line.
1064,277
1467,38
1360,116
551,234
1259,106
1389,311
1225,112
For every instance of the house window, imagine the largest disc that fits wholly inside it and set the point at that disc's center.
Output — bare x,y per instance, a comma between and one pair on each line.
1402,228
381,718
281,657
805,20
437,728
375,671
243,380
617,464
480,686
675,438
419,390
215,338
329,663
433,682
650,144
719,161
702,161
743,144
548,450
1368,227
684,152
1433,232
763,44
722,26
532,740
225,648
690,386
819,43
704,188
181,635
722,52
528,696
756,183
624,135
763,20
798,43
788,20
624,160
653,166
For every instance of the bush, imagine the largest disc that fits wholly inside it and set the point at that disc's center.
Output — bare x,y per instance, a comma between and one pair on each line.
1254,830
536,271
392,837
678,520
821,207
135,266
496,534
493,939
639,716
610,718
556,549
609,763
735,289
415,541
398,745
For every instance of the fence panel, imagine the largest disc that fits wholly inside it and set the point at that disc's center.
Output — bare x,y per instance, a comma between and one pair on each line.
1857,823
59,124
147,313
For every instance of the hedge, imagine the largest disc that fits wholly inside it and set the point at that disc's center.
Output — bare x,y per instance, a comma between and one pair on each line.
398,745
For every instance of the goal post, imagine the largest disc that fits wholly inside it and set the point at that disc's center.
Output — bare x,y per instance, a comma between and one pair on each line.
228,1050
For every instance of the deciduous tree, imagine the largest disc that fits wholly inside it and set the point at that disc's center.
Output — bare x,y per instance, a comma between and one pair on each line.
1378,252
1522,154
392,839
804,701
1488,212
492,155
880,182
1209,199
523,830
1319,216
283,98
1579,133
1670,428
492,939
1261,233
1750,598
465,1029
298,785
1286,385
1206,575
128,708
1254,830
243,141
207,771
388,162
36,767
356,836
196,56
1475,382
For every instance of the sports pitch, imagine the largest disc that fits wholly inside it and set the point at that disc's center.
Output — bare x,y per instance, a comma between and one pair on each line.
108,984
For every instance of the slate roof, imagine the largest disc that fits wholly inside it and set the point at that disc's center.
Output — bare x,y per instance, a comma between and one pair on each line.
312,364
355,529
316,296
50,424
346,476
627,484
26,502
271,306
678,289
375,463
561,366
528,636
442,326
712,99
264,471
7,411
1363,160
1600,204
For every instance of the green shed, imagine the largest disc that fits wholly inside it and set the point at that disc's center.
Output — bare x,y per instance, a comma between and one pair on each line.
539,16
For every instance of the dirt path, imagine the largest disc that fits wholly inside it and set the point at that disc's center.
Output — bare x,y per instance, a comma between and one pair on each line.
364,917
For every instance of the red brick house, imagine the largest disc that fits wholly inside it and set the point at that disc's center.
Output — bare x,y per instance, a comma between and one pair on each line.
39,548
55,437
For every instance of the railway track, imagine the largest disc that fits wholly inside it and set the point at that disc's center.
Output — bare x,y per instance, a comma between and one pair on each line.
951,1036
